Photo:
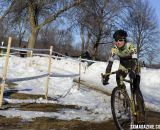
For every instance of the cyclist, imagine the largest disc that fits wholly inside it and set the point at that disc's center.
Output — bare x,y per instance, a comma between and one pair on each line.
126,52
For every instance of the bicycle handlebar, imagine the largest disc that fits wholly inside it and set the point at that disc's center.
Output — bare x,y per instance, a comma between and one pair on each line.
107,74
114,72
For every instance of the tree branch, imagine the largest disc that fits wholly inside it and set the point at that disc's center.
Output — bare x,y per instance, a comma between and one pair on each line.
59,12
8,10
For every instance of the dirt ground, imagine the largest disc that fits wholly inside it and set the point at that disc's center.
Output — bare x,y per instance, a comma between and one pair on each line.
55,124
44,123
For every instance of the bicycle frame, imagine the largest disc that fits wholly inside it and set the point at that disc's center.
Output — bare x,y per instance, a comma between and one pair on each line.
131,99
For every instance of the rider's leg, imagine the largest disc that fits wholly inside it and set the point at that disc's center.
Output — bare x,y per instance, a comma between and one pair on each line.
136,81
120,75
136,87
136,84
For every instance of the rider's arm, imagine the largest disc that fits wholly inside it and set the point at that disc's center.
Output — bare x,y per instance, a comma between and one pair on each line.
109,67
111,59
133,52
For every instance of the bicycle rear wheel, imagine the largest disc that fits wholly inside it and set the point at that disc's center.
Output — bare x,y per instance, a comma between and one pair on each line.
121,110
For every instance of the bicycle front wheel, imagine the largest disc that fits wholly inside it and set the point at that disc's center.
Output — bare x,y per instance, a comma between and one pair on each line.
121,110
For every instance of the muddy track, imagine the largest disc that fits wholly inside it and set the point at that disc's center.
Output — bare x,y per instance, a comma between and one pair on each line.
43,123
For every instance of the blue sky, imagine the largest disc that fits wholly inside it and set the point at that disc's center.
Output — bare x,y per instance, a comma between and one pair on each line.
155,4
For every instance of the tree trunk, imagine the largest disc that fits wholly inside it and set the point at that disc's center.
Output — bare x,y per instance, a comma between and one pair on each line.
82,39
87,42
95,53
96,45
20,42
100,29
33,38
138,44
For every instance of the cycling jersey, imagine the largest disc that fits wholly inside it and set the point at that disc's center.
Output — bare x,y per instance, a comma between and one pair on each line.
127,56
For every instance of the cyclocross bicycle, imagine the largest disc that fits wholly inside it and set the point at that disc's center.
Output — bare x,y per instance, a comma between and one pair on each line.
127,110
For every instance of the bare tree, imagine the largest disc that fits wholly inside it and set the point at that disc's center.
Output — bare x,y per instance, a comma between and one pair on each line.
61,39
96,20
13,19
151,57
41,13
141,24
4,30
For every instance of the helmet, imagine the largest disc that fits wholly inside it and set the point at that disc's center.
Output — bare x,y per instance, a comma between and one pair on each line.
120,34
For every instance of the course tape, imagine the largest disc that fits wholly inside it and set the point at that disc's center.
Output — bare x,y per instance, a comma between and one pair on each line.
25,49
25,78
67,57
60,75
57,54
39,76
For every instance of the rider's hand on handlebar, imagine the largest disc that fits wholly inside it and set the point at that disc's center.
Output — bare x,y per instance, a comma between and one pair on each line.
105,79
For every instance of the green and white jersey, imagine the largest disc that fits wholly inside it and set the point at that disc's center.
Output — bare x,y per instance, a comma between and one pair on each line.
127,52
126,55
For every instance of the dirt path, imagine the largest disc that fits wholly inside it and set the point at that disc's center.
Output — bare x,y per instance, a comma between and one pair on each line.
44,123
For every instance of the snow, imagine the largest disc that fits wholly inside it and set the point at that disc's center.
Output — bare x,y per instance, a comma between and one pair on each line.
98,104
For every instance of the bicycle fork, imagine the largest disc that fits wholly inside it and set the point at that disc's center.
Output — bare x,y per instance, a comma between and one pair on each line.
135,114
133,105
132,102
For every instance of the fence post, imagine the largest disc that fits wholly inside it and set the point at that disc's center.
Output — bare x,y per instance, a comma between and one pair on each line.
4,75
31,55
79,79
49,71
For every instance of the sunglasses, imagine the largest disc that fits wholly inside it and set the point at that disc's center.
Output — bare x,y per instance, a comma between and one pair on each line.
119,40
